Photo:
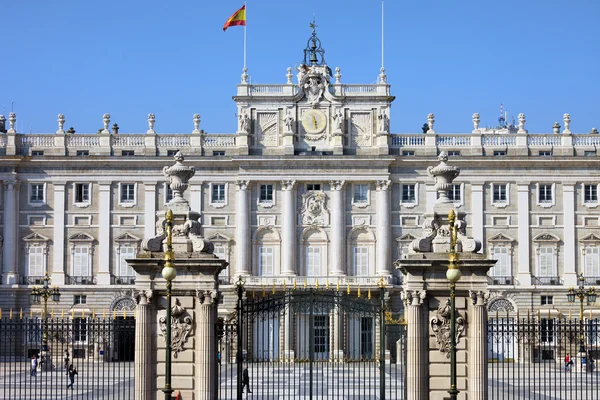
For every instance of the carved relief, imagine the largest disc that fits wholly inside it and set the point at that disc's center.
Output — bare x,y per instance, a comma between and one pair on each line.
267,129
440,325
181,325
314,210
362,129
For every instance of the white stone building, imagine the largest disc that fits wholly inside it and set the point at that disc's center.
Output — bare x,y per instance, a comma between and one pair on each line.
311,186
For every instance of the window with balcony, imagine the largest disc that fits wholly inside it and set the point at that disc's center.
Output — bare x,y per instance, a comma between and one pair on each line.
221,251
361,261
36,250
313,261
502,266
126,253
81,261
546,262
265,260
592,262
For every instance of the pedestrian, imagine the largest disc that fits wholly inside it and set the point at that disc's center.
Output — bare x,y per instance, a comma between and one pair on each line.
66,362
219,357
33,366
72,372
246,380
568,362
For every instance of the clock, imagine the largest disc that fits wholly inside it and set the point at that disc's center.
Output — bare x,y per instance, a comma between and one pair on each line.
314,121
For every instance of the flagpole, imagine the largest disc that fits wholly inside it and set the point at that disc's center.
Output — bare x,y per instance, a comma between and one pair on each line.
382,33
246,15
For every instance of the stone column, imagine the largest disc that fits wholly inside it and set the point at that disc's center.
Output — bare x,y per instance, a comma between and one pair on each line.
288,351
416,346
288,229
143,346
569,261
478,349
338,353
206,350
11,211
104,242
58,250
477,221
242,230
149,210
524,272
338,229
384,264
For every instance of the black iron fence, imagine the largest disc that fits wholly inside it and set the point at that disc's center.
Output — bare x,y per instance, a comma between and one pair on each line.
528,358
36,354
313,344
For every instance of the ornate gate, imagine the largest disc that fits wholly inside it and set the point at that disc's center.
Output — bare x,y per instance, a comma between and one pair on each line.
311,343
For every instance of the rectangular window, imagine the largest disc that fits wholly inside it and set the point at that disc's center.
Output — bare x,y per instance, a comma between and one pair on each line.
79,299
83,153
265,261
126,253
41,153
592,262
545,153
81,261
82,193
547,330
587,153
168,194
127,153
218,153
80,329
453,153
321,334
499,153
361,261
546,262
502,267
545,194
409,194
499,190
221,252
313,261
366,337
37,193
361,193
35,261
590,193
313,186
218,193
266,193
454,193
171,153
408,153
547,300
127,192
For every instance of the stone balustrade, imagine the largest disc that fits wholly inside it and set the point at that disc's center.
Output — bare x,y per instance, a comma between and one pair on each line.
364,282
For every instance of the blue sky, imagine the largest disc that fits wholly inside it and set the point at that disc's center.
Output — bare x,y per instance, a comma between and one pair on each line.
452,58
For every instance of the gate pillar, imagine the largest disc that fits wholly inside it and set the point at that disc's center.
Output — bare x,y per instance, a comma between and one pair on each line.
143,332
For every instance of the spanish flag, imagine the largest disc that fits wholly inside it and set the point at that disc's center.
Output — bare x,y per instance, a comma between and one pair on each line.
237,19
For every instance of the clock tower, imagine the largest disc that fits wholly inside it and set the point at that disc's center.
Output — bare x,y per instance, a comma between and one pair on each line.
316,114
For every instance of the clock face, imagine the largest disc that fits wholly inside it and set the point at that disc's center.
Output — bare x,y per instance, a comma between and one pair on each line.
314,121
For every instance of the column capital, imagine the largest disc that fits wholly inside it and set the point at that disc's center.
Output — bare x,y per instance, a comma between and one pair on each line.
242,185
210,297
479,297
288,185
143,297
414,297
11,184
383,184
337,185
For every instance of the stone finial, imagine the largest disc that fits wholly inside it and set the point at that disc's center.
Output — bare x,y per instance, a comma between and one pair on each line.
382,76
443,174
196,120
151,121
594,131
289,76
12,118
178,175
430,122
2,123
556,127
567,122
106,121
245,76
338,75
521,123
61,123
115,128
476,123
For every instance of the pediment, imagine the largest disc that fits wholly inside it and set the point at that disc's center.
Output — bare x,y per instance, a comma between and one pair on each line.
406,238
219,237
592,237
546,237
81,237
127,237
500,237
35,237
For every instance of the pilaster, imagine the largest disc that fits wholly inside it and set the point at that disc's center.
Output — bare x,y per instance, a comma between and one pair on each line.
242,229
523,233
416,346
383,228
477,221
478,349
104,242
143,346
338,228
10,249
206,348
58,261
569,261
288,228
149,210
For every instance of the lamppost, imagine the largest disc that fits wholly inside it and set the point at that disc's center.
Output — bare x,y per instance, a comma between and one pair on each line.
45,292
169,273
581,294
453,275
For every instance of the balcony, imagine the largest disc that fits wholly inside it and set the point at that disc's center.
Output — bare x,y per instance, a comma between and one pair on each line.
547,280
501,280
592,281
32,280
122,280
80,280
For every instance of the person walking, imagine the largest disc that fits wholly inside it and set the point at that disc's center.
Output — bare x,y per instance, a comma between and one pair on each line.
72,372
568,362
246,380
33,366
66,362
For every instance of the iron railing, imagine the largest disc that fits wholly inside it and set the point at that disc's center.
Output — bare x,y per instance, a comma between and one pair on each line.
80,280
547,280
122,280
100,349
32,280
501,280
592,281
